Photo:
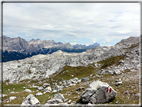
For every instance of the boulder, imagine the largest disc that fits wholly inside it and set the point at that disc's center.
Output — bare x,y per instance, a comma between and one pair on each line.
30,101
12,98
73,81
27,90
118,82
116,71
58,98
60,82
64,83
40,88
57,88
98,92
12,92
80,88
71,85
38,94
47,89
85,79
46,84
121,62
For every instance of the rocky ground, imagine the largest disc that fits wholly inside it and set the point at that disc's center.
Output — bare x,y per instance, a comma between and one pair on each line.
63,78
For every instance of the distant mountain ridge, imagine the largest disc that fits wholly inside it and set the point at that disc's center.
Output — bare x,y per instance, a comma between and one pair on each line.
19,48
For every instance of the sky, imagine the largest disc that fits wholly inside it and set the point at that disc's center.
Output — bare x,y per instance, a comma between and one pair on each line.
76,23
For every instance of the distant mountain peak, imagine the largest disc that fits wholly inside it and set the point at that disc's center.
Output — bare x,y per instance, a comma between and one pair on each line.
34,39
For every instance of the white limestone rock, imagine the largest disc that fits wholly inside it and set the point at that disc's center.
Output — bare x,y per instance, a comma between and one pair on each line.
30,100
58,98
47,89
57,88
12,98
40,88
27,90
39,94
46,84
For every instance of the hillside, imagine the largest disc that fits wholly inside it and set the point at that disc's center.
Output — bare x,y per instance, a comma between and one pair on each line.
71,73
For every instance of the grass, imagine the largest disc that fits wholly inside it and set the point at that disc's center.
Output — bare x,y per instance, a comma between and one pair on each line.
111,61
68,71
18,88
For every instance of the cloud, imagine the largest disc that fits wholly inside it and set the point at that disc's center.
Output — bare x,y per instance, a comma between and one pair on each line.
73,43
72,21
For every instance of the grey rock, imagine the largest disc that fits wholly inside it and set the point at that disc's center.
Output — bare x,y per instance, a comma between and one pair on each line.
40,88
30,100
58,98
54,101
64,83
45,85
47,89
118,83
98,92
57,88
11,92
116,71
27,90
71,85
38,94
12,98
80,88
85,79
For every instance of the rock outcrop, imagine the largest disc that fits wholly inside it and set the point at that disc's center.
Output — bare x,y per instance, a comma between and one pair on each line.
98,92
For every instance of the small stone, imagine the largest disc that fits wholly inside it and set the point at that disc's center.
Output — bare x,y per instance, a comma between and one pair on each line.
80,88
69,101
27,90
12,98
12,92
38,94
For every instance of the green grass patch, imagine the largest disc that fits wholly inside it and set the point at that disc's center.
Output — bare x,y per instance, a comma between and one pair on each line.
13,87
68,71
111,61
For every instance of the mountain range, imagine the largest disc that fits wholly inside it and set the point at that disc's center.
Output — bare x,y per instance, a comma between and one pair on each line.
19,48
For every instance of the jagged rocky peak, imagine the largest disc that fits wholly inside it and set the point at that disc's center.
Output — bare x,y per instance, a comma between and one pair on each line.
80,46
12,44
34,39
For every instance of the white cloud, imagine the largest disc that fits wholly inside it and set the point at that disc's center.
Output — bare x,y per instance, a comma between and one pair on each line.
95,21
73,43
